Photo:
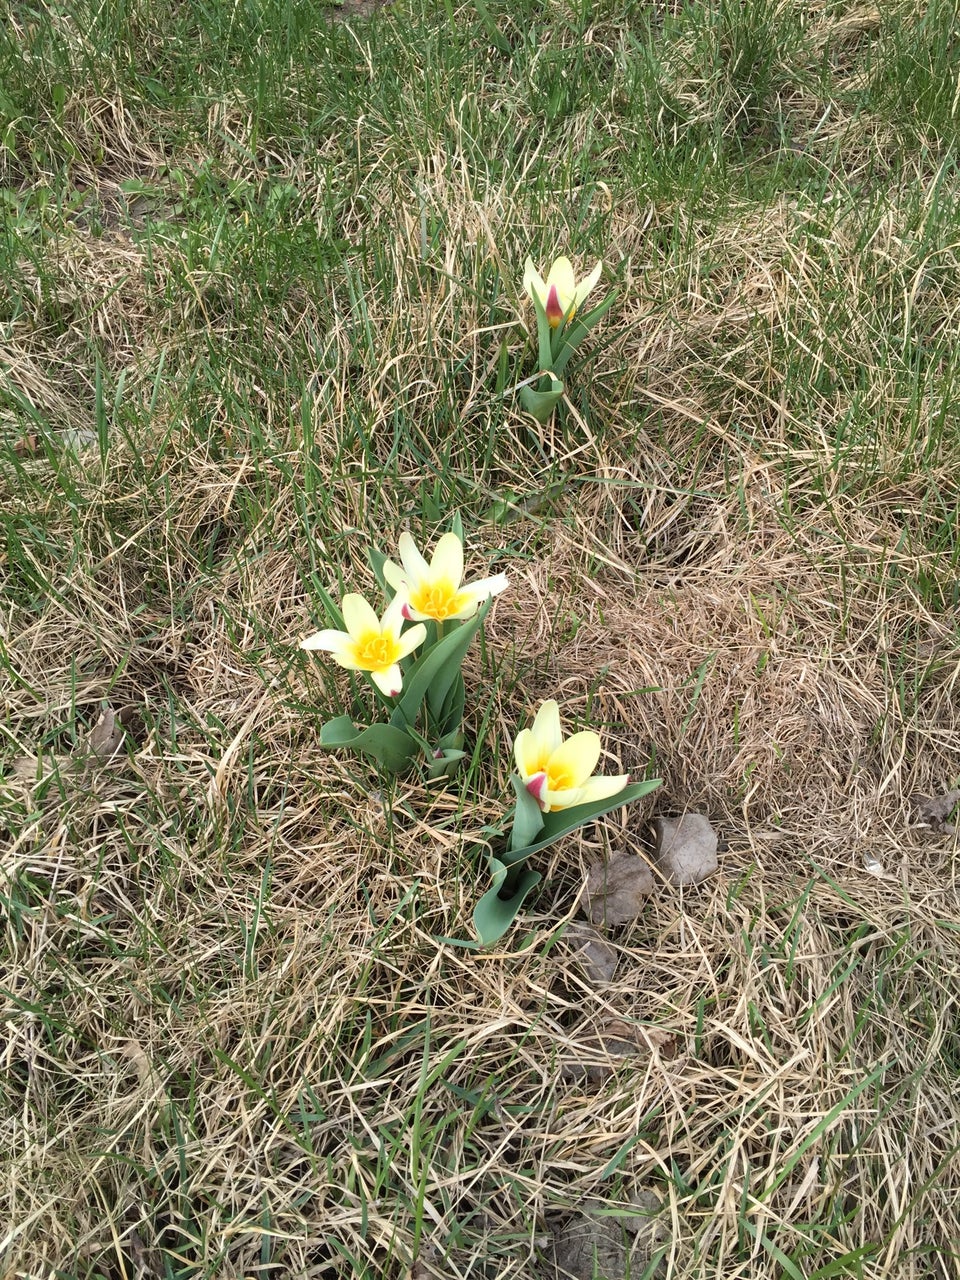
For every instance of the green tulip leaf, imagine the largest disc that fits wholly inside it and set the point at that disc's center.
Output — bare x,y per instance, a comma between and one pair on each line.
392,748
448,716
498,908
544,334
438,668
377,561
560,822
527,816
541,404
567,339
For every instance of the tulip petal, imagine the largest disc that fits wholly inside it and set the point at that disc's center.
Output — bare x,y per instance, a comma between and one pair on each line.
533,281
576,758
447,560
554,307
478,591
389,680
415,567
393,615
546,727
537,786
527,755
341,648
561,798
412,639
602,787
586,287
562,278
358,616
329,641
393,575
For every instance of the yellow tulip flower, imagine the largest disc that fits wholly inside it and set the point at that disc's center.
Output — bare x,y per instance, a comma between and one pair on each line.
437,590
559,294
557,773
369,643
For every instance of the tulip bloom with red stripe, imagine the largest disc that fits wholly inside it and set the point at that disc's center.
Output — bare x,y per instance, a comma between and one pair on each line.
560,295
558,772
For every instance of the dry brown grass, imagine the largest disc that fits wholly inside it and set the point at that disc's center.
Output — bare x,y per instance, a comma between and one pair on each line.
814,1005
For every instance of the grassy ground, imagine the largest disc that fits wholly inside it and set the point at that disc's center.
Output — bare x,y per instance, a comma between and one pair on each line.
263,293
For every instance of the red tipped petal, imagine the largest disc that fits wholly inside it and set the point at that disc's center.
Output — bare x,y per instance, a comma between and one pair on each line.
535,787
553,308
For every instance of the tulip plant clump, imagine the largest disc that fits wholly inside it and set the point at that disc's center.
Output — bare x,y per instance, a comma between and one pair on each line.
431,609
560,330
425,696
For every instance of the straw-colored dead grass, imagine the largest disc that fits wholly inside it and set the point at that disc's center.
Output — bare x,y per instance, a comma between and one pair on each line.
227,981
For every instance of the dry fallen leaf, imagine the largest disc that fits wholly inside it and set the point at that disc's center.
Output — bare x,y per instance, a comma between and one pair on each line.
615,890
935,810
106,736
597,1053
595,956
686,848
26,772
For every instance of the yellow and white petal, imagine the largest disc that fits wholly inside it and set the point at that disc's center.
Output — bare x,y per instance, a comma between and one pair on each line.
412,639
477,592
358,617
546,727
586,287
561,278
393,615
576,758
533,281
329,641
394,576
563,798
602,787
530,760
447,560
388,680
414,565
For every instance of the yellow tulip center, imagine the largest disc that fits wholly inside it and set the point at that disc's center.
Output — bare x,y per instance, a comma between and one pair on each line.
559,778
376,652
439,599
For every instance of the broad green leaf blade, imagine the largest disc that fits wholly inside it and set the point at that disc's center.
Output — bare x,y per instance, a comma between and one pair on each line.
440,666
541,404
391,747
448,716
561,822
493,914
544,334
570,339
527,816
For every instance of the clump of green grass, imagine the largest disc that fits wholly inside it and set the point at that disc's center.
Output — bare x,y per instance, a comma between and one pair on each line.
264,301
